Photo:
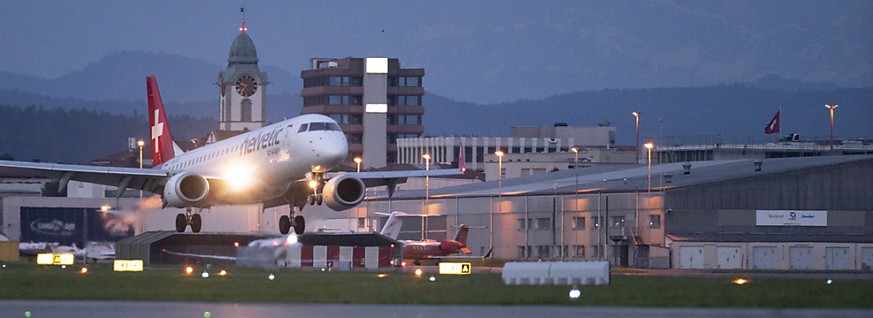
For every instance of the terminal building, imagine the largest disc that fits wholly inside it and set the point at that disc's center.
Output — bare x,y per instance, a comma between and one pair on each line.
774,214
527,151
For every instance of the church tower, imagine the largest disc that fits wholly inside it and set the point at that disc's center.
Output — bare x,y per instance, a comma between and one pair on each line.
242,87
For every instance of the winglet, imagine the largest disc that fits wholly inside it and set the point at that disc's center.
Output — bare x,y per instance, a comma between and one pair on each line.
162,139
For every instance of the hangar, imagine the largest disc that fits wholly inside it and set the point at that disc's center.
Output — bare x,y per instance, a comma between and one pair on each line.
813,213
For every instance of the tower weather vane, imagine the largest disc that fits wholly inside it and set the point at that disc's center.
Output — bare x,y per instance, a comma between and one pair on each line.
243,11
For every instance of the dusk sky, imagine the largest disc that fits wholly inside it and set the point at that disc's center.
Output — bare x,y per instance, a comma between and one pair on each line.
479,51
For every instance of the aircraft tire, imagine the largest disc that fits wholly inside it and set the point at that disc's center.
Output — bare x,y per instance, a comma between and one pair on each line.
181,222
319,199
196,223
284,224
299,224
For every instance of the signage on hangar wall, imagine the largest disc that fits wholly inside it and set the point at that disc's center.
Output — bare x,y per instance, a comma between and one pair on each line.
791,218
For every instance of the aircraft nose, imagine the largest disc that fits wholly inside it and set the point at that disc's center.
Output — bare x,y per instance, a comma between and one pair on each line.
335,149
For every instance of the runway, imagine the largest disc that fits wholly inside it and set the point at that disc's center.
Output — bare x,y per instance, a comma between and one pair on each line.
135,309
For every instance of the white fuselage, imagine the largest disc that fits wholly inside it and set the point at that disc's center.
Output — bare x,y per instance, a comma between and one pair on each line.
266,161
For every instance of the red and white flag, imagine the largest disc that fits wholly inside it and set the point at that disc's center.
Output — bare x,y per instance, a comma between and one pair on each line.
773,126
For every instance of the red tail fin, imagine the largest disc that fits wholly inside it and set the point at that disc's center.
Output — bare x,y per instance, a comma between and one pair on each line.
162,140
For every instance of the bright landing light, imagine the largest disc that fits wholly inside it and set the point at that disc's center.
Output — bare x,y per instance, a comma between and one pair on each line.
238,177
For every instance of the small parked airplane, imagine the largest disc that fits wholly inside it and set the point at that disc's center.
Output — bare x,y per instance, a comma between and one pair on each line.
427,249
286,163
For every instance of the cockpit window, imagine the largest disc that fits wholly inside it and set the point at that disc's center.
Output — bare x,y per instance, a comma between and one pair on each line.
319,127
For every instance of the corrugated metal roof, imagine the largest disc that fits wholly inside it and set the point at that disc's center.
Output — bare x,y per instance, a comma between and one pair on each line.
631,177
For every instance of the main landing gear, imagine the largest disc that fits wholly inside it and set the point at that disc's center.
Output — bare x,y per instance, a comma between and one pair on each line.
297,222
189,218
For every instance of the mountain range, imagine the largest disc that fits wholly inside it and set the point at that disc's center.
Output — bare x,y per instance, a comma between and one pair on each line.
737,112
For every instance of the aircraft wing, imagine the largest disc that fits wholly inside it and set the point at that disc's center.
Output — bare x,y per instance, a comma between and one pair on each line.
381,178
456,256
151,180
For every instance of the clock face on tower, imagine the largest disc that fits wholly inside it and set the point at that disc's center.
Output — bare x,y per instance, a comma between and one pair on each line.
246,85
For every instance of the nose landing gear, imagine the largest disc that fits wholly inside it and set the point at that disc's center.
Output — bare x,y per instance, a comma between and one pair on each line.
314,196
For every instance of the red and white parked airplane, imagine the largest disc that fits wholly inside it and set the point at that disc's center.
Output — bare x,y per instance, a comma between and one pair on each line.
427,249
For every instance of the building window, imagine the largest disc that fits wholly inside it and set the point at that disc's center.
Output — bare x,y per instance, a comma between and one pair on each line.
334,100
578,223
356,81
655,221
595,222
340,118
596,251
338,81
362,223
356,100
404,100
246,112
521,252
543,224
404,81
580,250
404,119
544,251
520,225
410,81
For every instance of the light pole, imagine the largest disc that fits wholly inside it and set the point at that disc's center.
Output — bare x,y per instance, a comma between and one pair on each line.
575,200
499,154
358,163
831,108
140,144
637,130
426,191
649,145
575,167
426,175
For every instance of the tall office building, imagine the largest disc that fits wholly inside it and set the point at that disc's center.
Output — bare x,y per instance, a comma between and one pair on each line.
374,100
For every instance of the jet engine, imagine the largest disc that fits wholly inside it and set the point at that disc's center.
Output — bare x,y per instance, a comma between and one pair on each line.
185,189
343,192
